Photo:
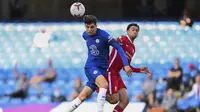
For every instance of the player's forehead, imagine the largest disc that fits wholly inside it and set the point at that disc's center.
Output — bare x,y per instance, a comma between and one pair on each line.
133,27
90,25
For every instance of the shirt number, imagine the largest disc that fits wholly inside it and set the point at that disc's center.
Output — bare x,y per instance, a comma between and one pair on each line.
93,50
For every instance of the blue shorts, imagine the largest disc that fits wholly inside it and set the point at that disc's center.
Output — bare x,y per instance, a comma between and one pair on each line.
92,73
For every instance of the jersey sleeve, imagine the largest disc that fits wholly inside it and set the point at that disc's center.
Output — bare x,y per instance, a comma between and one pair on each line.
84,35
115,44
119,40
137,70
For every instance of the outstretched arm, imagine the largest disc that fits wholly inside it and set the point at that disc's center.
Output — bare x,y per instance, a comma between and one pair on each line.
127,68
116,45
15,71
142,70
137,70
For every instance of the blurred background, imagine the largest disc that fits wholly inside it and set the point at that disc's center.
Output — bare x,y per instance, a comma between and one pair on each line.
58,10
42,76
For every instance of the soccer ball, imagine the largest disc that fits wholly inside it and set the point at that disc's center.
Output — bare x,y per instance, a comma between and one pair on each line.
77,9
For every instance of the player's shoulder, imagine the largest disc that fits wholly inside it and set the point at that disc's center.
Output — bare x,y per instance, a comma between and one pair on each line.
102,32
123,37
84,35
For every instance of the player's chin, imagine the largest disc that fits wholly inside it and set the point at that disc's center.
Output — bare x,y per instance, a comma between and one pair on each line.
134,37
91,34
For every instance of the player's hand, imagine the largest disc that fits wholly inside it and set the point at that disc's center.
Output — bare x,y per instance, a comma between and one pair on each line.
128,70
146,71
149,75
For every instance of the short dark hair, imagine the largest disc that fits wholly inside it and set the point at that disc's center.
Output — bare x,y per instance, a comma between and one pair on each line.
89,19
132,24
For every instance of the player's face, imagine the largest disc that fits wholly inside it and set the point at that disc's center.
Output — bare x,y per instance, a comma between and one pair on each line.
133,32
198,79
91,29
176,63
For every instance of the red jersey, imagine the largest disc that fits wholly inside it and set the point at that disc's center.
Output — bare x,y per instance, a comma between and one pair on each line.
115,61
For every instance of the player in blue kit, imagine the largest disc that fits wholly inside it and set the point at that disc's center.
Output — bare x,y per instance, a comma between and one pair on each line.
98,42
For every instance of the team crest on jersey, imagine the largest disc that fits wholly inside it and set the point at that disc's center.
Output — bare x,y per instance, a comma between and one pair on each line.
97,40
95,72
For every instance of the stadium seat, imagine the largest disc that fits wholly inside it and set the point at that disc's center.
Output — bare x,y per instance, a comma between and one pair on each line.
160,87
157,46
16,101
44,99
182,104
194,103
31,99
32,91
4,100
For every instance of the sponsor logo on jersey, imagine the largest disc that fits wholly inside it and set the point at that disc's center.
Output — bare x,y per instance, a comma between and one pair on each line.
115,88
109,38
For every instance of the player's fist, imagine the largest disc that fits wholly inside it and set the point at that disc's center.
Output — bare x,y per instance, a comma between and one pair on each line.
149,75
128,70
144,70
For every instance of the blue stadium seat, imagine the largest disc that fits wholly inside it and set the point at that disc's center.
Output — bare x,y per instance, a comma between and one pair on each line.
16,101
47,91
31,99
32,91
161,87
133,99
154,49
159,95
138,76
194,103
4,100
182,104
45,99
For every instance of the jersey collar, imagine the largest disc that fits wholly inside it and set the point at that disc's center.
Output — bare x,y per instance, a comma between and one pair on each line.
129,39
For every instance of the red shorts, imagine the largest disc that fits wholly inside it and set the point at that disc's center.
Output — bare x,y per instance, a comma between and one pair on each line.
115,82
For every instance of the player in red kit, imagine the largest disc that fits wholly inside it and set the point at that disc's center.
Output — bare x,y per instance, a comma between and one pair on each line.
117,91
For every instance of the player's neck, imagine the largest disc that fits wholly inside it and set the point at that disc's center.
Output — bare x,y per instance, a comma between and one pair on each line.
131,39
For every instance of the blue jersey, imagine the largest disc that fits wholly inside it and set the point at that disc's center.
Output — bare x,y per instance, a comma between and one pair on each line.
98,49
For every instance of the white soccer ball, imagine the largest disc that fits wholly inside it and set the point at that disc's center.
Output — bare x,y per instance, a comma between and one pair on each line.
77,9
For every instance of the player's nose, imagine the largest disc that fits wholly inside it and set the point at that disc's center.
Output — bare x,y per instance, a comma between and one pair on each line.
135,32
90,30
